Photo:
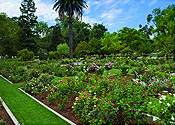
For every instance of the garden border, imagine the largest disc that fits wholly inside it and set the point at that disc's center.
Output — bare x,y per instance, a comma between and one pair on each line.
56,113
15,121
6,79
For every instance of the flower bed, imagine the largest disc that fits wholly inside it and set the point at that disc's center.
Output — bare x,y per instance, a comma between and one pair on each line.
6,117
97,100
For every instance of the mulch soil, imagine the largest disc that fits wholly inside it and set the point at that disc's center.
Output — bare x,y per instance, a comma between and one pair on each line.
5,117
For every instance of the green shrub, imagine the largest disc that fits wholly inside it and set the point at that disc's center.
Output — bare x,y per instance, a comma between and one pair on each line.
53,54
43,54
24,55
63,50
124,69
82,48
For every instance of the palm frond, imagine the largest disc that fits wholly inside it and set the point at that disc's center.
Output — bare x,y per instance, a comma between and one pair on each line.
70,7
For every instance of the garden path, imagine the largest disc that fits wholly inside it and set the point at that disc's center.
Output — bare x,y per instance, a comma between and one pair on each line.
25,109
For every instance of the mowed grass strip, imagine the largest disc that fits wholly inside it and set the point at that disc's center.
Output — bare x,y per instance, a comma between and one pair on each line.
26,110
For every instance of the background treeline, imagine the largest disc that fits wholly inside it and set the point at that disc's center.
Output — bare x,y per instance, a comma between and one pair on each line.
25,32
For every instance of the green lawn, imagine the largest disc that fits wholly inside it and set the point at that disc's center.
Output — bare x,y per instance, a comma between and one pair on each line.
26,110
115,71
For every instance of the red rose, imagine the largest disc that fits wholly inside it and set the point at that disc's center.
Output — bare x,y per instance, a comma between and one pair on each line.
138,80
155,90
133,83
139,84
102,117
104,95
111,93
114,105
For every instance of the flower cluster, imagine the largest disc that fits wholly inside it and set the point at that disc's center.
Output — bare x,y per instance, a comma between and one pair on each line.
163,108
108,65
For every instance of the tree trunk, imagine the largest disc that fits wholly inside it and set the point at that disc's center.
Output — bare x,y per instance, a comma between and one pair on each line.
70,38
174,55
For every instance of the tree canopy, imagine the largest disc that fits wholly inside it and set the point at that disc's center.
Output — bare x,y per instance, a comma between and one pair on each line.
164,31
25,32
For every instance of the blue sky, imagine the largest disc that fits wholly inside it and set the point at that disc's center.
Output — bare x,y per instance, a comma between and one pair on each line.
114,14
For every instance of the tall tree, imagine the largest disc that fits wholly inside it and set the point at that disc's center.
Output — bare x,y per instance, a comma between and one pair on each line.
135,40
70,8
97,31
110,43
80,30
9,36
56,37
164,32
43,36
27,21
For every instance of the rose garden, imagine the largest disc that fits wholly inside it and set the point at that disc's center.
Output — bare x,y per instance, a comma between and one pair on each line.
105,91
75,73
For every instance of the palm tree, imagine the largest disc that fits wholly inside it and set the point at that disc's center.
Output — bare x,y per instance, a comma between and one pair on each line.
70,8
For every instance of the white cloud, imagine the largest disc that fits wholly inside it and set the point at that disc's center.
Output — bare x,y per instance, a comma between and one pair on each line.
10,7
95,2
142,1
87,11
90,20
125,1
113,13
108,1
44,9
152,2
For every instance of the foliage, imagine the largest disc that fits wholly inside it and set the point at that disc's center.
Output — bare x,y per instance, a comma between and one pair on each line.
63,50
53,55
98,31
110,43
163,108
25,55
9,38
95,106
108,65
164,31
43,54
27,21
97,99
124,68
37,84
56,37
82,47
155,79
94,45
135,40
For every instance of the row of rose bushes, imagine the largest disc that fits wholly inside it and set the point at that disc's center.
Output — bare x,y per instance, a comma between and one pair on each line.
16,73
47,66
97,101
